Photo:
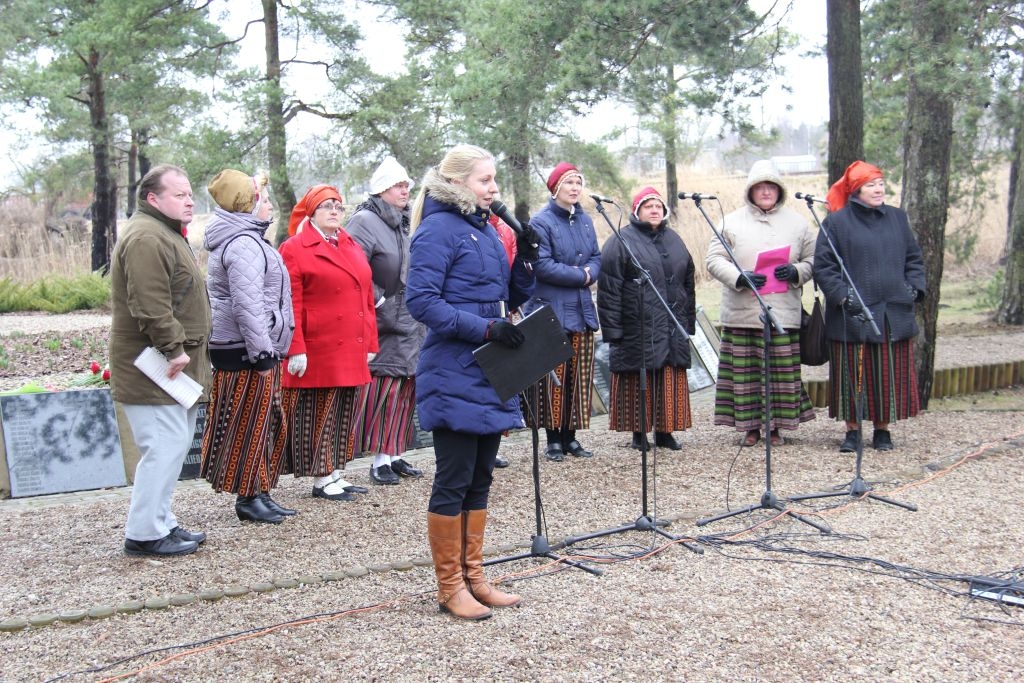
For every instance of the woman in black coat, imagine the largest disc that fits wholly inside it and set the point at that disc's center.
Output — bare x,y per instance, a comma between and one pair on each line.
665,353
884,261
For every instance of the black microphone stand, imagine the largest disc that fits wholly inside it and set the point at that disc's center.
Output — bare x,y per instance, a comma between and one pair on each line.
539,546
857,488
645,522
769,501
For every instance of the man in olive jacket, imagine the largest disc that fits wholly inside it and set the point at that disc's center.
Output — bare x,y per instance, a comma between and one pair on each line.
159,299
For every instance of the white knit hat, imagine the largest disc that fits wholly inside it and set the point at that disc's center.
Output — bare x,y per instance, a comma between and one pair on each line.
389,173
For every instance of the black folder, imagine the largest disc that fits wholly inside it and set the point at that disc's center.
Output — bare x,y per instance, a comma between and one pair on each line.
510,371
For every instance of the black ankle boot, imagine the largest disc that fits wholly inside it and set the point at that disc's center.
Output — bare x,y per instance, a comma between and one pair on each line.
274,506
253,509
639,441
571,445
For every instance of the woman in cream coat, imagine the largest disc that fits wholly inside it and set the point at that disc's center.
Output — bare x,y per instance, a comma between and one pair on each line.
764,223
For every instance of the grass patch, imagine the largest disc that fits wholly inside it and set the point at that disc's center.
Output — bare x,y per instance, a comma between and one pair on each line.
55,294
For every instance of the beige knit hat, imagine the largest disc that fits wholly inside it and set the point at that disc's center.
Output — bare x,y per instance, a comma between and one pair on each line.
234,191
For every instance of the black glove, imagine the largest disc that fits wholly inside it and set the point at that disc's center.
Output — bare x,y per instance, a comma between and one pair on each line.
852,306
528,244
756,278
505,333
787,272
916,294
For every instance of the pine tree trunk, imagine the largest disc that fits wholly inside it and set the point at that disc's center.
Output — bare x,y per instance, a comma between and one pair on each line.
926,158
671,136
277,143
1011,308
104,204
845,93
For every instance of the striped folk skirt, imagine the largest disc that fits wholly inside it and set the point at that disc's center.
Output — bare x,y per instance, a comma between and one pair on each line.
566,405
321,437
739,393
668,400
244,436
385,411
887,374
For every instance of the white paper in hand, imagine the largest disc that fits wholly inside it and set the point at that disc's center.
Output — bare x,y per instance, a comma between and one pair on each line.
182,388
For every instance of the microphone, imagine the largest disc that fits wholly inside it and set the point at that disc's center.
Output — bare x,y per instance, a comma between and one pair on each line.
602,200
499,209
696,196
809,198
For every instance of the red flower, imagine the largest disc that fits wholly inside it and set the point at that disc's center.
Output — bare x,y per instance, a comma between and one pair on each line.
95,367
106,375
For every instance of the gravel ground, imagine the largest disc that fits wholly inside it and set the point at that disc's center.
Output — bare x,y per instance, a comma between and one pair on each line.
770,598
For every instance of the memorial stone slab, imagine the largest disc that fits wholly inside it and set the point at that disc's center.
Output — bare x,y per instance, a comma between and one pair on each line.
61,441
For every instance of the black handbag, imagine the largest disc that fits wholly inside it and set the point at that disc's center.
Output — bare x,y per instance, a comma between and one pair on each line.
813,344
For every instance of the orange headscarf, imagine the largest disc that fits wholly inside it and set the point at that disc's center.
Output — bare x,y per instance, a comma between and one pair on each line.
857,174
315,196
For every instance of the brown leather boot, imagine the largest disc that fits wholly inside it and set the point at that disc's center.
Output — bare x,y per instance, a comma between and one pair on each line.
446,544
473,563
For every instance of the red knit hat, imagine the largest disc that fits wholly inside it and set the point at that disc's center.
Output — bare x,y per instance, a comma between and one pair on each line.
856,175
306,207
645,194
563,169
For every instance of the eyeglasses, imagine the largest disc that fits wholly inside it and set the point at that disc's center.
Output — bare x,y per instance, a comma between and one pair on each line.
332,206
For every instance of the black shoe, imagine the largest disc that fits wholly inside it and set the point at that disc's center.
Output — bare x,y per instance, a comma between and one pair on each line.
252,509
577,449
336,492
500,461
167,546
383,475
274,506
666,440
352,488
851,442
404,469
639,441
186,535
554,452
882,440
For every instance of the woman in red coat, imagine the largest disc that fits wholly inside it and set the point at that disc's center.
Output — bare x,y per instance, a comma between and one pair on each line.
335,335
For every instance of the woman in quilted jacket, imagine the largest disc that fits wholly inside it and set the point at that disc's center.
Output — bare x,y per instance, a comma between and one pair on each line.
251,302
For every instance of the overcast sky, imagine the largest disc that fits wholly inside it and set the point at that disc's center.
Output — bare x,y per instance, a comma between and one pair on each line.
808,77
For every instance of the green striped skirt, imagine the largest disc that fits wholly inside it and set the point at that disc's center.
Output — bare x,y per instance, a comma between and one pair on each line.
739,393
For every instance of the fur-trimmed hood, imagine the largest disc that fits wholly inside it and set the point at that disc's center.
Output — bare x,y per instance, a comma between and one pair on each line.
445,192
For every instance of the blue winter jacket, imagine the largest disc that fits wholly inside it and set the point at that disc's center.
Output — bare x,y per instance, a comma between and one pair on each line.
568,244
459,281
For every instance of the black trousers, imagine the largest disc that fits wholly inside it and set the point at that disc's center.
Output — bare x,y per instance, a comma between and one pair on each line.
465,468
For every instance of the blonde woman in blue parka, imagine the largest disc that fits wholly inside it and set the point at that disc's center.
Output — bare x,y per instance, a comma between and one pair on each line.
461,287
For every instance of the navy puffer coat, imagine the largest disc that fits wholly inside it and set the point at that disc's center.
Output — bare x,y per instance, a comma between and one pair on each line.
460,281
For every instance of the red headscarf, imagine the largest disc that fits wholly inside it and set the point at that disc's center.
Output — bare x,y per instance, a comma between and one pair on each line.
856,175
315,196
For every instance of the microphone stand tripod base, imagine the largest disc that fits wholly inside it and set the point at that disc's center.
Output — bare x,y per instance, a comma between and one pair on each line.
769,501
857,488
541,548
642,523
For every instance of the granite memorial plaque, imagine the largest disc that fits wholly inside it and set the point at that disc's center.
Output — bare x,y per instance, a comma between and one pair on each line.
61,441
194,457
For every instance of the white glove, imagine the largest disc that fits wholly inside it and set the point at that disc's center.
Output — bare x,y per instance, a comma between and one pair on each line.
380,301
370,357
297,364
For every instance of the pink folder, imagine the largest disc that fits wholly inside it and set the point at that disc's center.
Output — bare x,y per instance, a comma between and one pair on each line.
766,264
